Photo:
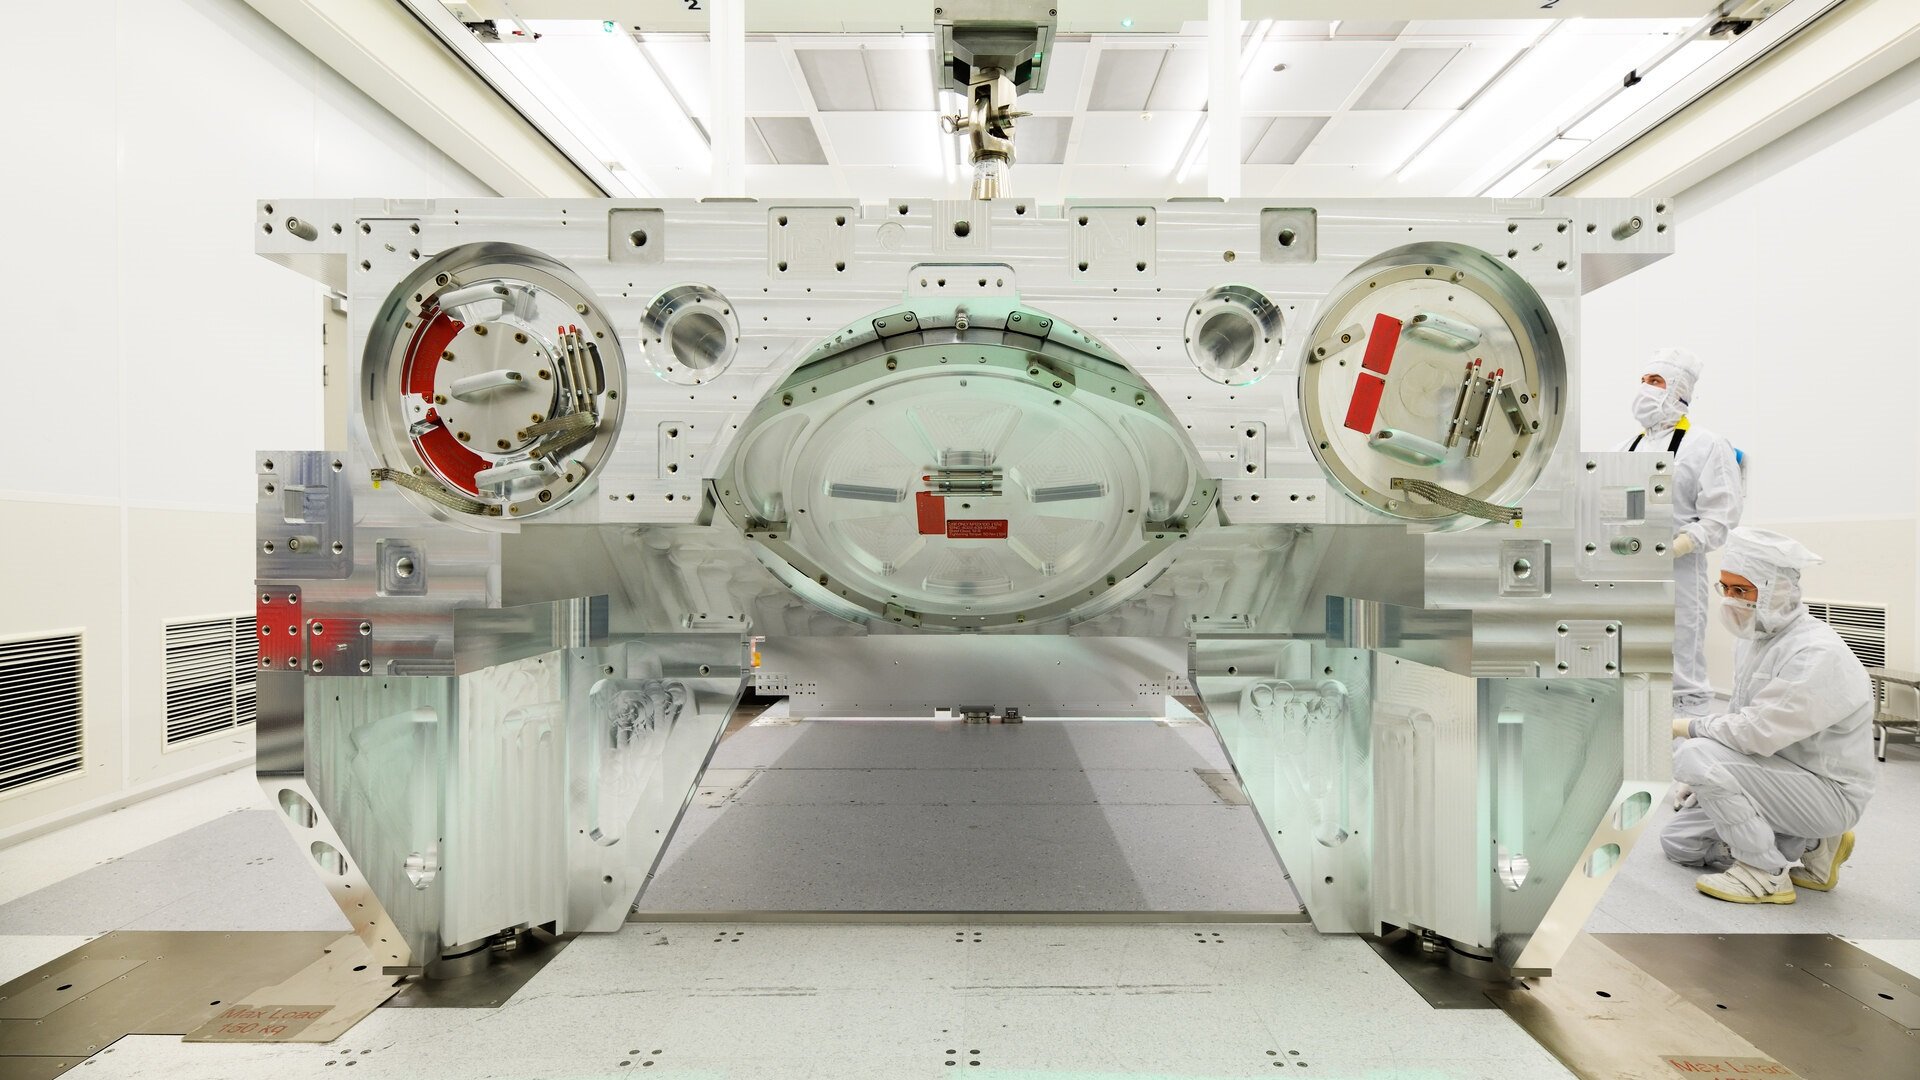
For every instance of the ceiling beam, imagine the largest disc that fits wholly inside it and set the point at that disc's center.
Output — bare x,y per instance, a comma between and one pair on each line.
1156,16
384,49
1849,48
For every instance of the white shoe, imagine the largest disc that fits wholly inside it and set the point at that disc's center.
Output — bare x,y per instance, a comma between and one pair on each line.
1743,884
1819,869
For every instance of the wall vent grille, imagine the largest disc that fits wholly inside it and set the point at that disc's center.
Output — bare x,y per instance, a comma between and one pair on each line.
1862,627
210,667
41,705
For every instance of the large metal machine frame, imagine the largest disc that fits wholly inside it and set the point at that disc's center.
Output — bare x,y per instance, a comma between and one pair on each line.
487,695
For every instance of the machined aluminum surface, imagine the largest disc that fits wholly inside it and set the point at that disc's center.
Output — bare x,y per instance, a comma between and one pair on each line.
1402,687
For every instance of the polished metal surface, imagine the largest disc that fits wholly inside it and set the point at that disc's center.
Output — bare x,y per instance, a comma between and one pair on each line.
1607,1019
1029,452
971,918
491,985
142,982
1817,1004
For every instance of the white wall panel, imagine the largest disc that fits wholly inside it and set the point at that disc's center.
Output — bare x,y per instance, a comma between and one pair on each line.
152,351
1792,278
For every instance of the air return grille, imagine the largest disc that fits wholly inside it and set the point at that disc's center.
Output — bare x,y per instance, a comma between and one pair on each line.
1863,628
209,674
40,709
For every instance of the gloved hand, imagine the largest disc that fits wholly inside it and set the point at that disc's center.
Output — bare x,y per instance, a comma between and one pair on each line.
1682,545
1680,724
1683,797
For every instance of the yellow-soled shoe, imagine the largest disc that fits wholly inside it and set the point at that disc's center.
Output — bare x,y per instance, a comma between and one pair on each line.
1819,869
1742,884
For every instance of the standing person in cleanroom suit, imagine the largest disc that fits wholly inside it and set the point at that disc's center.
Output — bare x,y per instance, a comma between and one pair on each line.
1784,775
1706,503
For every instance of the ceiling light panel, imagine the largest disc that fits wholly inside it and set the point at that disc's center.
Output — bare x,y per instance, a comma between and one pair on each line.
1406,73
790,140
1284,140
1319,76
1124,79
1041,140
605,82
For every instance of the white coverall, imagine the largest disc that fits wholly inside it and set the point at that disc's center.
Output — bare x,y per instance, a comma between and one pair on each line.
1706,504
1792,762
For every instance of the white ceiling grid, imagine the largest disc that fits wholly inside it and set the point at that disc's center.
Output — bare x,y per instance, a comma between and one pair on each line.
1343,108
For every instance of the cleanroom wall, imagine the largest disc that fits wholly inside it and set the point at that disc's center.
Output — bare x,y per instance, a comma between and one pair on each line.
1792,278
151,351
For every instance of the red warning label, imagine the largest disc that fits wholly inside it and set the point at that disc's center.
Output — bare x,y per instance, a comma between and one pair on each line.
975,529
932,511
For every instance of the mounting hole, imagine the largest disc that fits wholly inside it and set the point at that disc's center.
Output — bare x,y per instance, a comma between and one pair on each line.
961,228
297,808
1286,237
637,238
328,858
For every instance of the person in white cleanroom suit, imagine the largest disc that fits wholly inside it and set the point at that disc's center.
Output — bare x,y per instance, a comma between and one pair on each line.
1784,774
1706,503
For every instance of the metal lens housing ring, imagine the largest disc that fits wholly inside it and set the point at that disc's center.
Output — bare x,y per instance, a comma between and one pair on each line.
690,334
1432,333
964,470
1233,334
493,385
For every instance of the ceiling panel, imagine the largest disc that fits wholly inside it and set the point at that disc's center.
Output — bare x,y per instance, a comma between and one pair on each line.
1124,78
1182,85
1373,138
837,79
1041,140
1351,28
1283,140
790,140
884,138
1472,68
1319,75
1130,139
902,78
757,152
1066,73
1406,73
1352,103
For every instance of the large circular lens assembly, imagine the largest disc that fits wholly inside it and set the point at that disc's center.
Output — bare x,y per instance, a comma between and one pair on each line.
1006,471
1433,385
494,384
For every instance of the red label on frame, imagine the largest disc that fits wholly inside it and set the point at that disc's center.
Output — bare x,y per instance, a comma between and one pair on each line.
1365,405
933,513
977,529
1380,344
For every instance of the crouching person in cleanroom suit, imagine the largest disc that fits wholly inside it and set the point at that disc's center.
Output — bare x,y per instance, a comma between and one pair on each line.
1783,776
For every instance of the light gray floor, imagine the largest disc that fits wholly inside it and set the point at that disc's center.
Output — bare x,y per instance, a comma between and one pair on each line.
1878,897
1094,815
840,1002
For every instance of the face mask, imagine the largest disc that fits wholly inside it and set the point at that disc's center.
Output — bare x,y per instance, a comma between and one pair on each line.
1740,617
1656,407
